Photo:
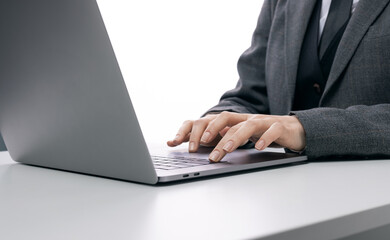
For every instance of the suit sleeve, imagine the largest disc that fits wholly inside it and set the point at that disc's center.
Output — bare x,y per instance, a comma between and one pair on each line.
355,131
250,93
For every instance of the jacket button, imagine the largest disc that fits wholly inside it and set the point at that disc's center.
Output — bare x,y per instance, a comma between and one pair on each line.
317,88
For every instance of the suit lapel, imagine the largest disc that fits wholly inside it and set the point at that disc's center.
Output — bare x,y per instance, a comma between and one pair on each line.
365,14
297,19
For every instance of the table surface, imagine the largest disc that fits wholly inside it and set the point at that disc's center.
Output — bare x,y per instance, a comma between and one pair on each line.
317,200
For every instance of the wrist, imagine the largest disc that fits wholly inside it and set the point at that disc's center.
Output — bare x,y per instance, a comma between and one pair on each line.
299,135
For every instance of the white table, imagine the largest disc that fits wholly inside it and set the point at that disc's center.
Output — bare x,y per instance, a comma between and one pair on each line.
318,200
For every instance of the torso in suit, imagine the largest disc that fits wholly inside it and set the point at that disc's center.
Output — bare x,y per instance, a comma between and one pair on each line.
353,114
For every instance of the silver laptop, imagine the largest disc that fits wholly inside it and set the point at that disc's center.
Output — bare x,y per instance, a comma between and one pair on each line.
64,104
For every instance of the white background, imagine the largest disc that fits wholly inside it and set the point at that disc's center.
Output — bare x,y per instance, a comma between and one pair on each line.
178,56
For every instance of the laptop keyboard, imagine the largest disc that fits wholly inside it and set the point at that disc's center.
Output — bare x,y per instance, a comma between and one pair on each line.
171,163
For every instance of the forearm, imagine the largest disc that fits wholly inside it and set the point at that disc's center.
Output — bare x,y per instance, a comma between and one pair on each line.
229,106
250,93
355,131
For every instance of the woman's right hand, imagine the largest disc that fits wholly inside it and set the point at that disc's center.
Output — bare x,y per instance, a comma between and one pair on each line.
198,132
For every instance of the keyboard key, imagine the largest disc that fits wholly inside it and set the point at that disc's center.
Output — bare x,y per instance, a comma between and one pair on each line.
169,163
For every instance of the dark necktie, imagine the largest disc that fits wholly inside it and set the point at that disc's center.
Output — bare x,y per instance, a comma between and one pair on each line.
315,59
338,17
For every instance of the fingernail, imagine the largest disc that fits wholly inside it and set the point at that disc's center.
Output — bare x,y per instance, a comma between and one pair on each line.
260,145
228,146
214,156
192,147
206,137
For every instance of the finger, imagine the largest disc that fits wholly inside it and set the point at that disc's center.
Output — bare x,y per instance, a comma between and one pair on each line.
184,130
186,139
212,143
224,131
216,140
198,128
170,143
223,120
242,135
272,134
218,153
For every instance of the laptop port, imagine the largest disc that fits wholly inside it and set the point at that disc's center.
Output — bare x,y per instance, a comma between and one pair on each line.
196,174
186,175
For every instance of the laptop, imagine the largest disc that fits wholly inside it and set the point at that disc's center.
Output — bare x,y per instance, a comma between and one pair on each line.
64,103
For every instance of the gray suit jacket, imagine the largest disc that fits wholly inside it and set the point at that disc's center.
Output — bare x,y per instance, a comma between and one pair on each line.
354,113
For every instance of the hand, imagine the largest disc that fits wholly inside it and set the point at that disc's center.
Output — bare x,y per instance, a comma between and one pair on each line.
191,131
231,130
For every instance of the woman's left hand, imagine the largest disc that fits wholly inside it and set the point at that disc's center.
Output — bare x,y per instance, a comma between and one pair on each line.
286,131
